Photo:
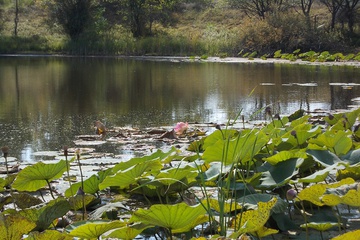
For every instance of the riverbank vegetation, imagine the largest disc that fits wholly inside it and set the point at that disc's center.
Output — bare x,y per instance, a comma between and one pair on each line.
221,28
294,176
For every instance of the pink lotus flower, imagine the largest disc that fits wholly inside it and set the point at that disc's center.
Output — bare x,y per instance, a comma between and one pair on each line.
181,128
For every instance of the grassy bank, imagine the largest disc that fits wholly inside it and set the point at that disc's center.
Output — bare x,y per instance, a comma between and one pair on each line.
216,30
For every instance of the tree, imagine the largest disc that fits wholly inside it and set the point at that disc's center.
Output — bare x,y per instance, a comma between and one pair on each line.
349,10
139,15
258,7
305,8
74,16
334,6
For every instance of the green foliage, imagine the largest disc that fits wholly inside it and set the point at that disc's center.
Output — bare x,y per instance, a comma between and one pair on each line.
237,164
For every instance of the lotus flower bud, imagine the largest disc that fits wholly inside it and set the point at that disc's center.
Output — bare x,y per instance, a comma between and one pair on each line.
5,151
291,194
66,152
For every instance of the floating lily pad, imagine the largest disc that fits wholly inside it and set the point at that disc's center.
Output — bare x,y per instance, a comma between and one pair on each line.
46,154
89,143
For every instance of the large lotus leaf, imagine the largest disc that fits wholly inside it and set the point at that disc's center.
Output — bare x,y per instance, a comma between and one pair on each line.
298,117
217,135
225,207
324,157
331,199
349,235
349,172
36,176
334,118
339,142
14,226
344,120
90,185
320,226
173,175
264,231
280,174
320,175
45,215
242,149
352,198
93,229
251,201
99,212
25,200
127,232
124,179
352,157
158,155
77,202
253,220
300,134
313,194
49,234
177,218
285,155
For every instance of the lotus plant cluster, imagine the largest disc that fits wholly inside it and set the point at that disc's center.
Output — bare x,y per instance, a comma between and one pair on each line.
292,174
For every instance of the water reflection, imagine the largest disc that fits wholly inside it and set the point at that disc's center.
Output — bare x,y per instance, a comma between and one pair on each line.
46,101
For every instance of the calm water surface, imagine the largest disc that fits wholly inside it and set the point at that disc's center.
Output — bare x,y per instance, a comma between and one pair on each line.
46,101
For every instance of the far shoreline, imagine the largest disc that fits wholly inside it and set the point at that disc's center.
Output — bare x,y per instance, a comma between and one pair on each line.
198,59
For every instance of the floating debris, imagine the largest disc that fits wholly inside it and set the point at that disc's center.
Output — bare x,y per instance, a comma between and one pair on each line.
306,84
267,84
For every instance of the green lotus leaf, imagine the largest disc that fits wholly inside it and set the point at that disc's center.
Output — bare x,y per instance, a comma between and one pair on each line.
344,121
338,142
320,226
352,198
14,226
285,155
93,229
91,185
253,220
49,234
77,202
99,212
177,218
217,135
279,174
128,232
242,148
349,235
323,157
225,207
124,179
320,175
333,119
303,131
173,175
45,215
25,200
352,157
298,117
37,176
158,155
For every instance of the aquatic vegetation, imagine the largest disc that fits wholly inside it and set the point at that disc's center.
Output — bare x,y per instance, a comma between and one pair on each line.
292,173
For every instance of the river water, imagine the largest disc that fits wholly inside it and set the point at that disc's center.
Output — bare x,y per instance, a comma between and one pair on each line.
45,101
